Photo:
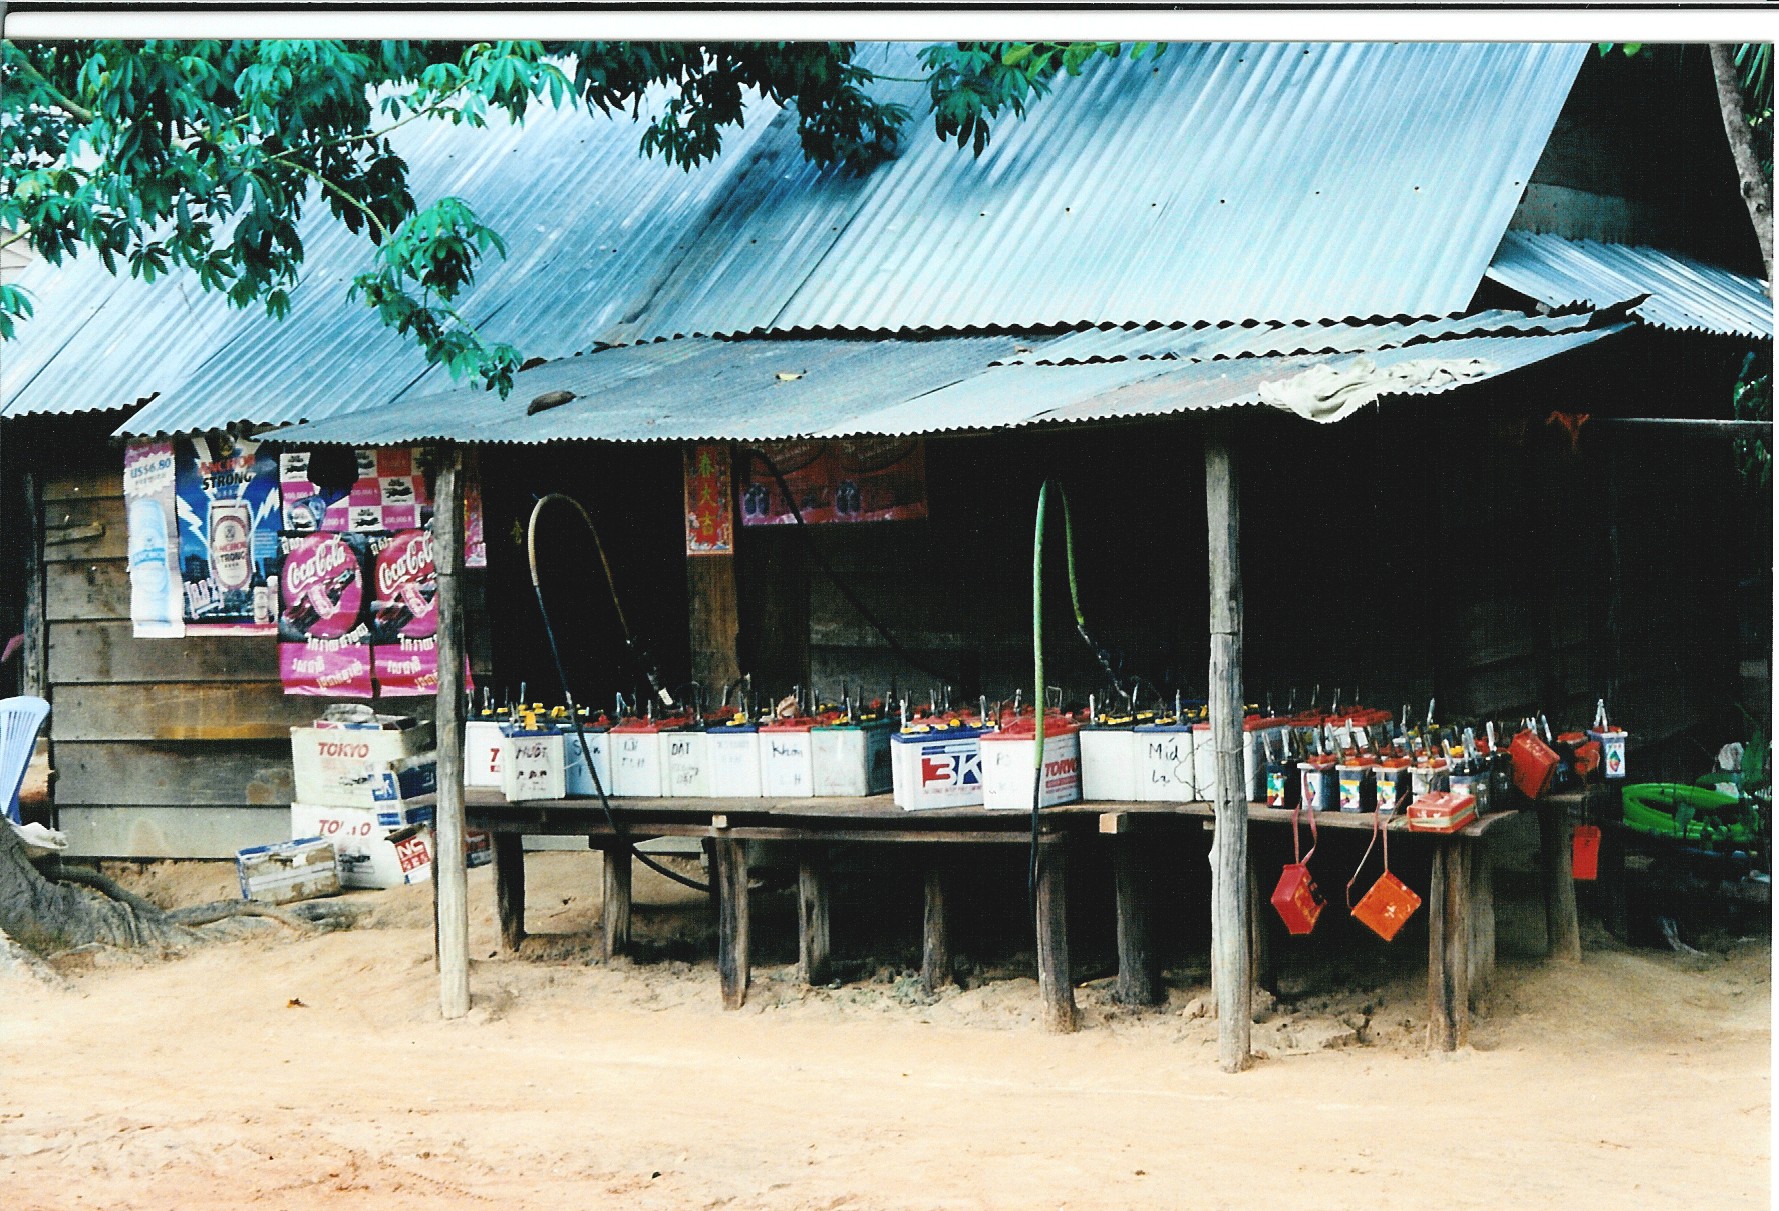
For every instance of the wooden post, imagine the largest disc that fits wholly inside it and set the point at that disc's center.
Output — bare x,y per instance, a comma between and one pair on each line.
732,956
1231,968
449,871
34,653
715,623
1448,946
1555,859
1259,950
1137,983
509,889
935,938
812,916
614,907
1055,990
1482,916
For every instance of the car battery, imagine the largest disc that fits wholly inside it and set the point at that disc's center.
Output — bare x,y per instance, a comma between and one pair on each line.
1165,770
1011,773
1391,780
787,758
1318,783
937,763
852,757
1353,779
732,751
1429,776
531,761
639,758
1111,759
481,751
687,754
1253,759
1204,762
1612,750
578,770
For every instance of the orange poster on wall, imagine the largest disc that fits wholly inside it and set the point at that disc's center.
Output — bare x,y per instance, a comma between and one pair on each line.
852,479
710,513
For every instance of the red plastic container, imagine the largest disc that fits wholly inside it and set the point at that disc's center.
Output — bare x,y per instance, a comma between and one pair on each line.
1297,899
1534,764
1585,862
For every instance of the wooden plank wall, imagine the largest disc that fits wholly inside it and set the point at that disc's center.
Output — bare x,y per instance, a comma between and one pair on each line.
170,747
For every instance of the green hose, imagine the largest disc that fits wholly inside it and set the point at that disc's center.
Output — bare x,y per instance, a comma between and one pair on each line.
1038,701
1688,813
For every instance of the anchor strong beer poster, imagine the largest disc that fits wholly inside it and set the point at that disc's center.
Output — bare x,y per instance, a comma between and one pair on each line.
203,517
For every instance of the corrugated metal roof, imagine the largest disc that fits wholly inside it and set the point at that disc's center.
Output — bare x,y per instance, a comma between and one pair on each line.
700,388
588,223
1683,293
1216,342
1218,182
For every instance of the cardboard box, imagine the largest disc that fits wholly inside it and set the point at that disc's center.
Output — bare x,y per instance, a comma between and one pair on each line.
288,871
373,848
341,767
410,778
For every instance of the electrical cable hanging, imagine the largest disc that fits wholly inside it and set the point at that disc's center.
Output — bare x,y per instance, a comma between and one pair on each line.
1039,701
618,830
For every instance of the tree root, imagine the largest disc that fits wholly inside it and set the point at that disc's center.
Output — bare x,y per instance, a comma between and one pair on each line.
221,910
61,872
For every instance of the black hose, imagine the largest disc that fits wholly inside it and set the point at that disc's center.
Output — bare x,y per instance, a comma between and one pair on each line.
574,715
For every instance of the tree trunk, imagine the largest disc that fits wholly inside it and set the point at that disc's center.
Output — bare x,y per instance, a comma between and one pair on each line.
1757,191
45,916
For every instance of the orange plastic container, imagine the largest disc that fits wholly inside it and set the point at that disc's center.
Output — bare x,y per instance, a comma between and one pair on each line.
1534,764
1297,900
1386,908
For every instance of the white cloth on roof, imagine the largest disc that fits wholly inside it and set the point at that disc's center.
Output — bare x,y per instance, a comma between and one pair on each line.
1330,392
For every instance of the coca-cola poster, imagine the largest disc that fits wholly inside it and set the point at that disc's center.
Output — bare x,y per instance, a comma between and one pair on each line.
226,505
324,634
856,479
404,614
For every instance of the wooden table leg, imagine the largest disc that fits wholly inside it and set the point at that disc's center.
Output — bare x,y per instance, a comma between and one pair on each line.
1137,982
1482,916
509,889
812,916
1562,929
1612,880
1055,990
1260,916
614,910
935,936
1448,946
732,956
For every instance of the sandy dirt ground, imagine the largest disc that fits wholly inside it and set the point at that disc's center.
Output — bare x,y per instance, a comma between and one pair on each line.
296,1072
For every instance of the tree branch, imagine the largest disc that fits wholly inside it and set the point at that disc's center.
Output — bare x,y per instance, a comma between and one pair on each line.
55,94
1757,191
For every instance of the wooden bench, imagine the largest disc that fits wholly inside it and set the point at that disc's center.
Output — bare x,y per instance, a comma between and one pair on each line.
1460,902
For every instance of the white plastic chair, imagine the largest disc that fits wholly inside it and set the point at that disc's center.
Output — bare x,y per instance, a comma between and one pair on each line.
20,720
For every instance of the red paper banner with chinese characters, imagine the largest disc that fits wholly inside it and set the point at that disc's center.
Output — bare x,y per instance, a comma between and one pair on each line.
710,510
855,479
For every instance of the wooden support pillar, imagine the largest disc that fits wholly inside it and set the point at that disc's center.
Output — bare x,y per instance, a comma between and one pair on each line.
730,876
1138,982
812,916
1555,858
1055,990
1448,946
1259,950
449,870
1611,884
935,934
714,620
509,889
1482,916
614,907
1231,965
34,653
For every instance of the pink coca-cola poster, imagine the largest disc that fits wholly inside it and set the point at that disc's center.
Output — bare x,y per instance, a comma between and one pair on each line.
324,638
404,614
